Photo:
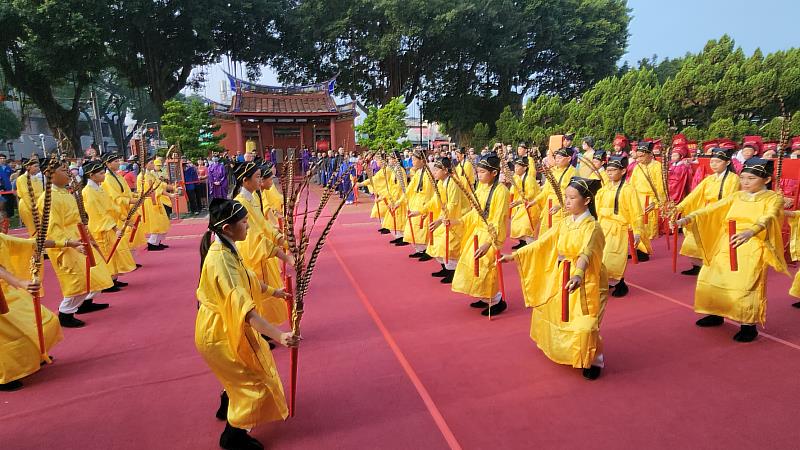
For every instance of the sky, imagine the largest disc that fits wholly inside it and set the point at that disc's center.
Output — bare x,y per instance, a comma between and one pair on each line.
670,29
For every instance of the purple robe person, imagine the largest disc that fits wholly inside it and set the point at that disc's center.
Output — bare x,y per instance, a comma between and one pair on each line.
305,160
217,180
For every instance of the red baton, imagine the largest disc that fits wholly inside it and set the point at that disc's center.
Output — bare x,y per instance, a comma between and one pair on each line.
632,247
734,256
565,267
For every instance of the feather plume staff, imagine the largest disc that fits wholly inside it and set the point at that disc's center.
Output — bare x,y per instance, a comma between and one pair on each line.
32,199
591,166
548,175
128,218
781,146
36,259
477,207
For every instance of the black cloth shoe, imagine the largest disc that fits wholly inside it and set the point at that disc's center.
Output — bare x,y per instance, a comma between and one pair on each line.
592,373
519,246
479,304
495,309
114,288
120,284
710,321
138,266
448,278
90,306
642,256
747,333
427,257
396,241
222,411
692,272
238,439
11,386
384,231
416,255
796,305
621,289
441,273
153,248
163,246
401,243
69,321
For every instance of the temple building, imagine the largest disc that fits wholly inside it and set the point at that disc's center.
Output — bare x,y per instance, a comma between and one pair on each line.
262,117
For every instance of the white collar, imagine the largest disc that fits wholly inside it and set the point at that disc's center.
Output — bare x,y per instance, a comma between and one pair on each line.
92,184
580,218
246,194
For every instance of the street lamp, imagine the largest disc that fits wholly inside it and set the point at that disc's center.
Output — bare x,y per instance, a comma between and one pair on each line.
44,150
11,154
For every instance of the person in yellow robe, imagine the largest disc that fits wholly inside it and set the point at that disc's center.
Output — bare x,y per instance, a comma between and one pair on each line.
547,200
396,182
490,230
418,193
103,223
260,247
228,326
598,161
19,340
31,178
646,178
376,184
793,217
68,263
739,295
720,184
124,199
155,221
588,155
577,239
619,212
270,197
464,168
526,214
448,208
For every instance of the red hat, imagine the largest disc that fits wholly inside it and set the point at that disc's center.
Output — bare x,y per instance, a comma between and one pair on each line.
755,142
708,145
678,139
656,144
620,140
726,143
771,145
795,143
692,145
681,149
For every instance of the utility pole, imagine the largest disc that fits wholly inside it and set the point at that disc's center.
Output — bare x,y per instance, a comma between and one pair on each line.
98,130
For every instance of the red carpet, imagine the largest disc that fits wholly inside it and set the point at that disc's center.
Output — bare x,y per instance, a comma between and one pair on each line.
394,360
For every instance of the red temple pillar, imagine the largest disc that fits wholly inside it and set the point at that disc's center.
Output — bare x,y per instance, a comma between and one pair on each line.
302,133
239,137
334,145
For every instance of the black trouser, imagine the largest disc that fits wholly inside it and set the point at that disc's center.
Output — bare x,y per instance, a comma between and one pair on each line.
10,204
168,209
194,200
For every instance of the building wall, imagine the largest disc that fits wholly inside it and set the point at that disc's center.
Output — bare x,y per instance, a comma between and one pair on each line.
345,135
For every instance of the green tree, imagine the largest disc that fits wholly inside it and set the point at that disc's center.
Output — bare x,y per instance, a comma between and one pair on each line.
47,45
10,126
480,135
155,45
384,127
188,124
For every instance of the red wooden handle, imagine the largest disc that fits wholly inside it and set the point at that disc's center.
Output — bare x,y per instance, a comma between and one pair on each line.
565,267
632,247
430,233
87,244
549,214
135,228
413,238
734,256
3,304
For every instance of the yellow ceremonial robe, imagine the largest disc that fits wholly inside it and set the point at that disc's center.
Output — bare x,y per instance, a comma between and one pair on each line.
394,221
418,193
603,176
465,171
615,225
234,351
25,204
485,285
102,220
68,263
377,186
741,295
257,250
273,200
547,198
524,222
584,169
706,192
121,194
155,219
640,179
19,341
578,341
455,206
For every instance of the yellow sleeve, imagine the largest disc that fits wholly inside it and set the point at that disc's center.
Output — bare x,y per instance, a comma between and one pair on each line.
537,264
707,224
101,217
632,210
498,217
694,199
15,255
228,284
